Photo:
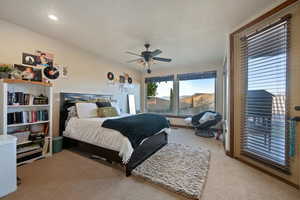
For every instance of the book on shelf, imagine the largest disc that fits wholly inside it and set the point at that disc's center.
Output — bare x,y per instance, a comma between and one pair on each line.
31,155
28,153
20,98
22,136
27,117
28,148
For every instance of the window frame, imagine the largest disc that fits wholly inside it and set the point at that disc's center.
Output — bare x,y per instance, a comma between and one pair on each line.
267,160
145,98
215,97
176,85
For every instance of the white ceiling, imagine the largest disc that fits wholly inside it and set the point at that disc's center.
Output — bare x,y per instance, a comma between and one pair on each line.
191,32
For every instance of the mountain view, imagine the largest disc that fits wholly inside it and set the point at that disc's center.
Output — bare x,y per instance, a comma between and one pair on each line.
189,104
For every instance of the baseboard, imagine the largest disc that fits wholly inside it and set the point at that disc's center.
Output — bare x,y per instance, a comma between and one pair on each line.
269,173
181,126
228,153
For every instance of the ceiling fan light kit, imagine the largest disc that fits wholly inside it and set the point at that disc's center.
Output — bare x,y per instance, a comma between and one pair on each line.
147,57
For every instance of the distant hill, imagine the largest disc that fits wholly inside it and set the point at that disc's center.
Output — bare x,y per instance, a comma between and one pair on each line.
197,102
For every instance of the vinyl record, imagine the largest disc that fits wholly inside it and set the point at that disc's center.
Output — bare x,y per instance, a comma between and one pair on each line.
110,76
129,80
51,73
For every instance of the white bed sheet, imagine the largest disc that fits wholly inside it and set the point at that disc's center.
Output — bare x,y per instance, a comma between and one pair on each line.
90,130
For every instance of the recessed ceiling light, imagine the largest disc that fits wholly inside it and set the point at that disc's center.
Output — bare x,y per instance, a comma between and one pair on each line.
53,17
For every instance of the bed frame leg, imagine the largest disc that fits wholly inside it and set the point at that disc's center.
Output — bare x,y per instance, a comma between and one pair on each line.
128,172
109,161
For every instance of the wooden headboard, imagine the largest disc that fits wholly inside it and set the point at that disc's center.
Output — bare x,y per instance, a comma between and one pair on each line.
70,99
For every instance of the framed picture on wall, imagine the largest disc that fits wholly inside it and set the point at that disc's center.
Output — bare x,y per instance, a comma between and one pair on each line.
29,59
122,79
29,73
44,58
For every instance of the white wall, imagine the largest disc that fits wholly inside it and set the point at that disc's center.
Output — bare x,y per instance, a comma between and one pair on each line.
182,70
87,72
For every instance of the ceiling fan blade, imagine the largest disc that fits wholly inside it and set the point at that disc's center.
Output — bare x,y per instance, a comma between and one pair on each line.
162,59
156,52
135,60
135,54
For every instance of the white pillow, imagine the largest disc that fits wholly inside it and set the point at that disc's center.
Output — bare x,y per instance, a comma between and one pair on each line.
116,106
206,117
188,120
86,110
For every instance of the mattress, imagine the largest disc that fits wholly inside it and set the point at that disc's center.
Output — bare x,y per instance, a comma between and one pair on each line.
90,130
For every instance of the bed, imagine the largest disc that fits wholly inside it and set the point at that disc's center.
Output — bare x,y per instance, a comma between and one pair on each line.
89,136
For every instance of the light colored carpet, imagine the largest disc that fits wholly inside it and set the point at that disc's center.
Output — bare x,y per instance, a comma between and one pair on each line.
177,167
70,176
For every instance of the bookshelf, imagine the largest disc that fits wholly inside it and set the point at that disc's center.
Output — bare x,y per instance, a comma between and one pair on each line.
23,114
26,124
27,106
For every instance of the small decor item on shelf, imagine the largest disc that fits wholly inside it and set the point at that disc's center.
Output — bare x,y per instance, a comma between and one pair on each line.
36,136
40,100
5,70
29,59
51,72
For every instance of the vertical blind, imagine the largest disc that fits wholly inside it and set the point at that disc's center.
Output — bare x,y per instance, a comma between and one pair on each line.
264,73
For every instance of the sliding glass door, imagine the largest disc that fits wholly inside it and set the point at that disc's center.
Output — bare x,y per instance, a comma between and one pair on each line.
264,68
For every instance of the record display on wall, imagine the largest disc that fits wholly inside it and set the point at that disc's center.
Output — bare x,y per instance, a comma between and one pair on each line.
129,80
110,76
51,72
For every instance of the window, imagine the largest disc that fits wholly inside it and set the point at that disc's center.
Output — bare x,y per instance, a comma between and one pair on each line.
195,92
196,96
160,97
160,94
264,66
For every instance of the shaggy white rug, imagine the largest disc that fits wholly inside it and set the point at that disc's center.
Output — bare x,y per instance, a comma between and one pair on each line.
180,168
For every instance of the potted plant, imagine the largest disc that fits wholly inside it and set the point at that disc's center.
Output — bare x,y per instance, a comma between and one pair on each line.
5,70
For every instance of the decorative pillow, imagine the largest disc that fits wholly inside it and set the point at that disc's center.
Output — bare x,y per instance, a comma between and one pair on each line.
103,104
98,100
188,120
86,110
72,112
207,117
107,112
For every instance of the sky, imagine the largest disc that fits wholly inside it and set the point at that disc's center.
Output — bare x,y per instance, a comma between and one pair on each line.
187,87
268,73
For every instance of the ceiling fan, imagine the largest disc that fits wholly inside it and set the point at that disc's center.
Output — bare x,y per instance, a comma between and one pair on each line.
147,57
